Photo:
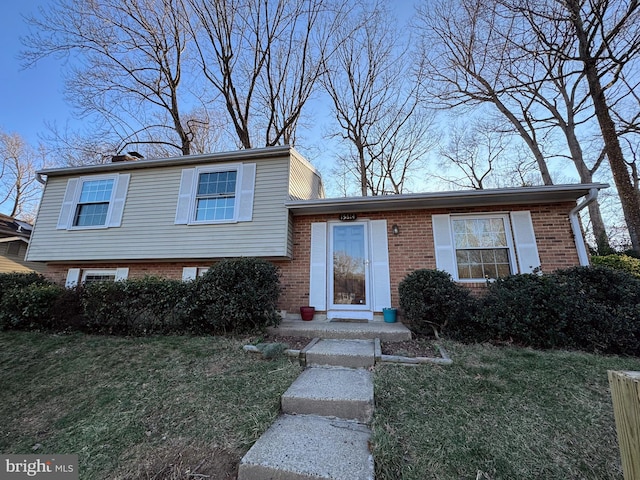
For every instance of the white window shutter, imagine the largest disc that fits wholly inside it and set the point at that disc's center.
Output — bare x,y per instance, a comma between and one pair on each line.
380,265
525,241
247,187
118,200
121,274
65,220
318,267
189,273
187,185
443,241
73,277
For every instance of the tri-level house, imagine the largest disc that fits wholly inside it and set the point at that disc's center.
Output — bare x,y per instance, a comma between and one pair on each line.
174,217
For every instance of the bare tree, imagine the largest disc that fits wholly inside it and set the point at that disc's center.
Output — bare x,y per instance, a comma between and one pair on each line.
603,37
466,59
264,58
375,102
128,59
474,150
19,190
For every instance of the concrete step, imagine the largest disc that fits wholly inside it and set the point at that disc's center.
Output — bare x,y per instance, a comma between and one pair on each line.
331,392
305,447
341,353
387,332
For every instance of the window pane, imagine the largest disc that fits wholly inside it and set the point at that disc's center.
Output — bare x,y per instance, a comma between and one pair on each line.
215,208
96,191
91,214
217,183
479,232
483,263
95,278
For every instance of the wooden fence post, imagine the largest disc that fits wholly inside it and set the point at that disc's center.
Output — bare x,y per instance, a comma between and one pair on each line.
625,393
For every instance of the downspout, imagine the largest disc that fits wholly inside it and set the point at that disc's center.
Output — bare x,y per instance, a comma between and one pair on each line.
583,256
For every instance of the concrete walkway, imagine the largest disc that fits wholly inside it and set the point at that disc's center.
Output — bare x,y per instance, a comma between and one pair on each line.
323,432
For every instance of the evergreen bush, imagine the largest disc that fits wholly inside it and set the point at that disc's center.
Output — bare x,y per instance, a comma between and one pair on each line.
432,302
32,306
618,262
144,306
238,295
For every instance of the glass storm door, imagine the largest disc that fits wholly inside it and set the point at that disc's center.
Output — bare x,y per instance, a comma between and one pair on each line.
349,267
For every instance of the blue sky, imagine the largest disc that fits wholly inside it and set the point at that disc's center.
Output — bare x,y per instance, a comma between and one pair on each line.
31,97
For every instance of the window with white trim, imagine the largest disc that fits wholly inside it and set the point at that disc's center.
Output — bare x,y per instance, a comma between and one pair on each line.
95,276
475,247
216,194
94,202
482,247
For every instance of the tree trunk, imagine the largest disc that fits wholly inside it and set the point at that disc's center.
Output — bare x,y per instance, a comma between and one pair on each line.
628,197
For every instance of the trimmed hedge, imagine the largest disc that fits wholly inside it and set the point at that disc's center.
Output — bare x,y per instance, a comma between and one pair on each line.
595,309
432,303
239,296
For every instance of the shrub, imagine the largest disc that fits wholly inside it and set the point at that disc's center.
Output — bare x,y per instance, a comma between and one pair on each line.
619,262
524,308
9,281
595,309
134,307
31,307
432,302
238,295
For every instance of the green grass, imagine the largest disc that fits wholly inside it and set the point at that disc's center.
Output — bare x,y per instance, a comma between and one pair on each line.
498,413
137,407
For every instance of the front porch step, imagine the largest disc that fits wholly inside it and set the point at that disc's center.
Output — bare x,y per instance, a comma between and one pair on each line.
331,392
386,332
342,353
304,447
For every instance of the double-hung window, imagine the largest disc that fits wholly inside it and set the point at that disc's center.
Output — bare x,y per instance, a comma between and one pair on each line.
482,248
93,202
477,247
216,196
213,194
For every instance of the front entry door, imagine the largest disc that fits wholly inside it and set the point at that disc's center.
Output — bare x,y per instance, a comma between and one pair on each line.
349,270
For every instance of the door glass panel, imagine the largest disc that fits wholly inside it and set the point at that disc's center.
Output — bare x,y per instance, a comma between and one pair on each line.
349,265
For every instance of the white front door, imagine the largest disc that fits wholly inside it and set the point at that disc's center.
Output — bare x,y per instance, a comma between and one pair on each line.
349,295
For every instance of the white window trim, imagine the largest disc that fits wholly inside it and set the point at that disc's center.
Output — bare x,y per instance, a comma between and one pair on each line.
72,199
77,275
118,273
194,193
508,233
244,194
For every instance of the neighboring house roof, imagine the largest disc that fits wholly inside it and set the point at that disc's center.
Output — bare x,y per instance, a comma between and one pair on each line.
450,199
10,227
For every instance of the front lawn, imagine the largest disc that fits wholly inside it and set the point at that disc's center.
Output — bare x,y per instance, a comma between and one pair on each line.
498,413
156,407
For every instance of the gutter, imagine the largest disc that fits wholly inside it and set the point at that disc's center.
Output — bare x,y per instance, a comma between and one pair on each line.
583,256
40,179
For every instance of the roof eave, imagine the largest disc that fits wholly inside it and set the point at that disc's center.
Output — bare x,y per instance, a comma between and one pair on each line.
451,199
232,156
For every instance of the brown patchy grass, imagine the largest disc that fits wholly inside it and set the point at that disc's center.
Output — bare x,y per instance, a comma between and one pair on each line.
138,408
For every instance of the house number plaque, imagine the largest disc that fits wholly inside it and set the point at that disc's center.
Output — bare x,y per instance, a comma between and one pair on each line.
348,217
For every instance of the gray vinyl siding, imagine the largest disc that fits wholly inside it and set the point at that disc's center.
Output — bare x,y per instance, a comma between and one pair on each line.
148,230
304,182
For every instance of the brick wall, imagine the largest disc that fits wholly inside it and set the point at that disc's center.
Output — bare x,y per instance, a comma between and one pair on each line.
412,249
